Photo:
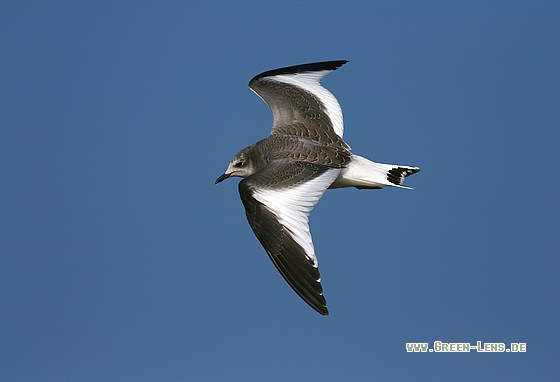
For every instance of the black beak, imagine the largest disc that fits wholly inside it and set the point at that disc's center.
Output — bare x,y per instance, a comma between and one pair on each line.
222,177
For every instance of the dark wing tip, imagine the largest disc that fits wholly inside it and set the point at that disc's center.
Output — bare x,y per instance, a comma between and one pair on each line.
322,310
302,68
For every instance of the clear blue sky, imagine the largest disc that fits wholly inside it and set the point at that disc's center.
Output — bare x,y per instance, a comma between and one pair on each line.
122,261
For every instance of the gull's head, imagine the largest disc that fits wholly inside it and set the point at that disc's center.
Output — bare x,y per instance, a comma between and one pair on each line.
240,165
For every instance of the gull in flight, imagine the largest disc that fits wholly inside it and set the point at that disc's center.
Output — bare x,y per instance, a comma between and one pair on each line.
286,174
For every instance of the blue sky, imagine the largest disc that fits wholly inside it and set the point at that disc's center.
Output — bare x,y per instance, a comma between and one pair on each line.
122,261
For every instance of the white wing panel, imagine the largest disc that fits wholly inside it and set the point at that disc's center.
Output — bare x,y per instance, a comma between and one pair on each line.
293,205
310,82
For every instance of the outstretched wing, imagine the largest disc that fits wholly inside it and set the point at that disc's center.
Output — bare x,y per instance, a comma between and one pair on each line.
300,105
278,200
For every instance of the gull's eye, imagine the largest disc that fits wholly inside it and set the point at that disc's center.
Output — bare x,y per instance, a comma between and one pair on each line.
238,164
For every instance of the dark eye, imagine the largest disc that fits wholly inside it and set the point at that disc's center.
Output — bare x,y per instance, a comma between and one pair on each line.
238,164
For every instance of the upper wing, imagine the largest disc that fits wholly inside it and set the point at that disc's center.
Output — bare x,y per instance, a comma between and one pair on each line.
299,104
278,200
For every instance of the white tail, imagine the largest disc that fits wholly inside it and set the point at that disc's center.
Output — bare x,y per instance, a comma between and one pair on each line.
363,173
